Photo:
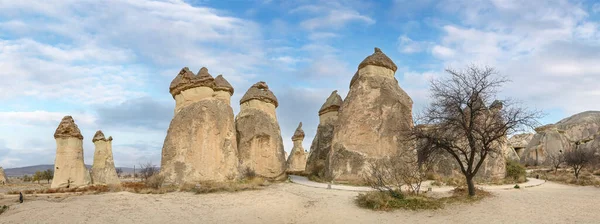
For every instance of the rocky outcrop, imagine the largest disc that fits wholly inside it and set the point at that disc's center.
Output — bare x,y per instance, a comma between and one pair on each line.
321,144
519,142
103,169
297,160
259,139
69,169
557,138
201,143
371,120
3,178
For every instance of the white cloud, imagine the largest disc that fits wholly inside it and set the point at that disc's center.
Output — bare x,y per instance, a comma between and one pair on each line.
407,45
321,36
549,51
596,8
336,19
44,118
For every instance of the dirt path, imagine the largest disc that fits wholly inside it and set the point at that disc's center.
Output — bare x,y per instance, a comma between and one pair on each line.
292,203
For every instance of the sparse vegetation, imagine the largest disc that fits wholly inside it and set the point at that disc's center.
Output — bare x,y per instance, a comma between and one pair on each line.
378,200
155,181
3,208
233,186
577,159
515,172
119,171
586,177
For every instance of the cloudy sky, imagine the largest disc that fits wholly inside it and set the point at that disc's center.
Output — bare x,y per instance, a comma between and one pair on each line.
109,63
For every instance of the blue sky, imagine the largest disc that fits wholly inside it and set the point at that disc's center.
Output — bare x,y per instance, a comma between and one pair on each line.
109,63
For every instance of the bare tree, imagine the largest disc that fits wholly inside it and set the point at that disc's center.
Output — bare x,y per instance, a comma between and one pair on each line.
147,170
119,171
460,124
578,158
556,159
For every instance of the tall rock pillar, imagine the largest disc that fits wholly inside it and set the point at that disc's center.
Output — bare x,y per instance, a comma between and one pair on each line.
103,169
321,144
297,160
259,139
69,168
201,143
371,120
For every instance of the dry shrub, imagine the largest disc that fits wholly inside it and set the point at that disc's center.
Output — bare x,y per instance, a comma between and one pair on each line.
211,187
155,181
3,209
378,200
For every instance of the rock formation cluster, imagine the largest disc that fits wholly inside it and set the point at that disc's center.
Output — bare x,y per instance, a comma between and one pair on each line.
562,136
3,178
103,168
69,168
321,144
519,142
297,160
370,121
201,140
259,139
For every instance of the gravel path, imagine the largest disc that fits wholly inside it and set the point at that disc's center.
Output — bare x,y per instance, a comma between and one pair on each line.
294,203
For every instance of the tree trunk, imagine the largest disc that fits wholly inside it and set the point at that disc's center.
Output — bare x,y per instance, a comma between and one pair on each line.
471,186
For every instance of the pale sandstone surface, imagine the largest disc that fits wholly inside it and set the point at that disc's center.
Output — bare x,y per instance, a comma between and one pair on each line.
103,168
201,142
69,169
297,160
561,137
371,120
520,141
3,178
321,144
290,203
259,140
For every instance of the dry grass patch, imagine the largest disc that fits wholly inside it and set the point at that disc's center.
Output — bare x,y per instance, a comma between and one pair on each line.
3,208
233,186
384,201
586,178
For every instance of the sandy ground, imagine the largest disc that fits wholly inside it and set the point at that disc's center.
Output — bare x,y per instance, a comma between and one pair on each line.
292,203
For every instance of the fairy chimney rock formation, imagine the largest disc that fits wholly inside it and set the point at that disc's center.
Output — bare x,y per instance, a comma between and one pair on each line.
188,88
370,120
223,90
201,142
554,139
3,179
297,160
103,169
69,169
260,144
321,144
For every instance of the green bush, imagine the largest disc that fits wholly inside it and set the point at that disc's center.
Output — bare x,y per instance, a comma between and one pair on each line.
515,171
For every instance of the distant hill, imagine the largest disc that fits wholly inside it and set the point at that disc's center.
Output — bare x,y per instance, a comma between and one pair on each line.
30,170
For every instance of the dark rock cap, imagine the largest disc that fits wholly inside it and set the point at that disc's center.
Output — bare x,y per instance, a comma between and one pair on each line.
99,136
378,58
299,133
221,84
260,91
67,128
187,80
333,103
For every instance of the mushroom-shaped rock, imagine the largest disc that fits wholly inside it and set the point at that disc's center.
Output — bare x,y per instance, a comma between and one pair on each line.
378,58
260,91
69,169
332,104
299,133
221,84
259,139
371,120
297,159
103,168
321,144
201,142
67,128
223,90
188,88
